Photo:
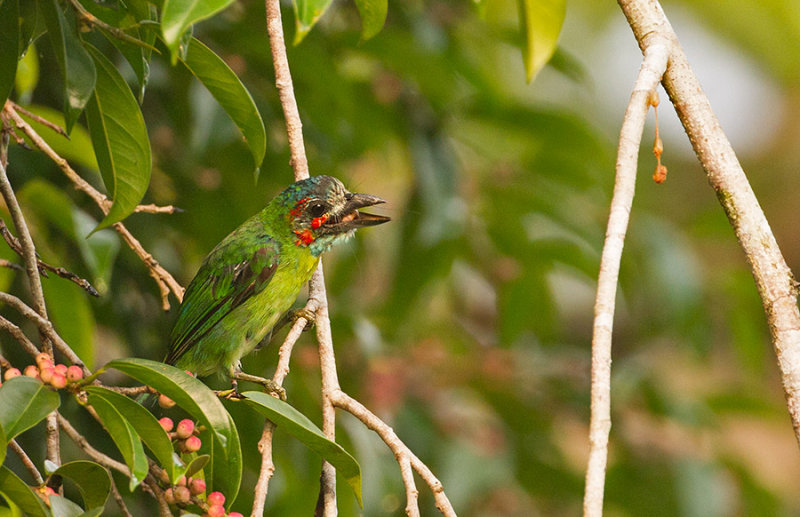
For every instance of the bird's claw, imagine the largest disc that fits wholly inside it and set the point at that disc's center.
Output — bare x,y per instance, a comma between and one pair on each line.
229,394
274,388
309,315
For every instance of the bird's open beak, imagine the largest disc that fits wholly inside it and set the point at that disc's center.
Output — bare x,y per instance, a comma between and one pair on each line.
352,218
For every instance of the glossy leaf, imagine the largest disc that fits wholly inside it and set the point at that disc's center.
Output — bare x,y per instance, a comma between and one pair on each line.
31,25
94,512
540,21
145,425
63,507
196,465
202,404
298,425
92,480
306,13
124,436
231,94
9,42
373,16
178,15
120,140
77,67
26,401
18,492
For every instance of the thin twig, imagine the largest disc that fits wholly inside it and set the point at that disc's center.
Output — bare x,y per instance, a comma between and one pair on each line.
93,453
774,279
412,494
44,267
46,328
116,32
26,460
20,336
163,278
652,68
157,209
41,120
118,498
401,451
11,265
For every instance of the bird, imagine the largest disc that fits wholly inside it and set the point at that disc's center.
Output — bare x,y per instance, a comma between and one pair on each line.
251,279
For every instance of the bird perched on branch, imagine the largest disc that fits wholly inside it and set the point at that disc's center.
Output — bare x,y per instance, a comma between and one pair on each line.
251,279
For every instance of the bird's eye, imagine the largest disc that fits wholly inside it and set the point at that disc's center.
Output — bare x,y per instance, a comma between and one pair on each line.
317,209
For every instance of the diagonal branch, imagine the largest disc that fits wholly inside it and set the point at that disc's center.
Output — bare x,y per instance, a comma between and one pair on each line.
653,66
774,279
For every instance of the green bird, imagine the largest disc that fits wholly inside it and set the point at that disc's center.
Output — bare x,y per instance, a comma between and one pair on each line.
251,279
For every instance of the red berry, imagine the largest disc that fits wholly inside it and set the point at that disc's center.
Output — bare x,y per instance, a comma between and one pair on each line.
235,514
216,498
74,373
58,381
11,373
62,369
46,374
197,486
192,444
216,510
181,481
165,402
190,373
169,496
185,429
31,371
182,494
166,423
41,356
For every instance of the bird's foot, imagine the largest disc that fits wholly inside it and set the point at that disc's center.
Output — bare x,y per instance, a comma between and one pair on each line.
230,394
309,315
269,385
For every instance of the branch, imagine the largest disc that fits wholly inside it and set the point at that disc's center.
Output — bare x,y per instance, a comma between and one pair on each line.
401,451
118,498
773,278
44,267
93,453
20,336
653,66
163,278
26,460
46,328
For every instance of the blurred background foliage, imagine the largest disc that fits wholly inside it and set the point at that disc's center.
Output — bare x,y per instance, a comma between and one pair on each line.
466,322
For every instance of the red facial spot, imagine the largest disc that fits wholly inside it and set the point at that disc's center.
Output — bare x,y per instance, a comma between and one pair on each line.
305,237
319,221
295,212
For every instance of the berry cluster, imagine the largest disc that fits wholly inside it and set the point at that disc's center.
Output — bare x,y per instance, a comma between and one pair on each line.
185,488
184,434
56,375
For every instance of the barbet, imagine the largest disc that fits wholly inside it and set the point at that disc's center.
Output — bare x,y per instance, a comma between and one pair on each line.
251,279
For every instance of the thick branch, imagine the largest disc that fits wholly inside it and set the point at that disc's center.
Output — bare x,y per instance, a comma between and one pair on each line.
653,66
774,280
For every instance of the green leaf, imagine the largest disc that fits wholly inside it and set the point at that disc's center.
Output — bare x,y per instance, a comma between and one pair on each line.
306,13
9,42
75,63
540,21
94,512
231,94
120,140
63,507
145,424
92,480
196,465
124,436
202,404
178,15
19,493
373,16
298,425
25,403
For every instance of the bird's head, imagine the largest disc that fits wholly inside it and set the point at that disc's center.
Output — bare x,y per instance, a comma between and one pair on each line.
322,212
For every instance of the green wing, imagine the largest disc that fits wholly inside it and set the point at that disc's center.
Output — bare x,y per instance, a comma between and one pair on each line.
241,266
